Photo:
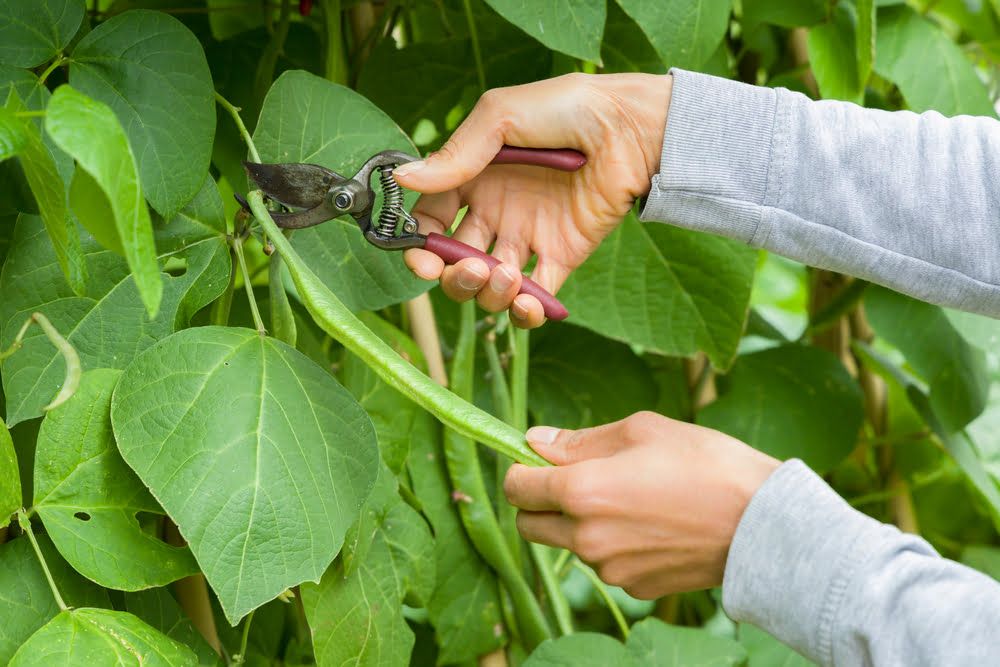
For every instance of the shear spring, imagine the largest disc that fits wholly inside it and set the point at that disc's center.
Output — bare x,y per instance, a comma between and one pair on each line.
392,206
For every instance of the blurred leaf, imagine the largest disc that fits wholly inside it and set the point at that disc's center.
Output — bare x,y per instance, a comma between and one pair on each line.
954,370
582,649
784,13
684,32
27,602
930,70
790,401
573,27
653,642
10,480
31,32
580,379
833,56
259,514
665,289
101,637
984,558
89,499
625,48
308,119
151,70
763,650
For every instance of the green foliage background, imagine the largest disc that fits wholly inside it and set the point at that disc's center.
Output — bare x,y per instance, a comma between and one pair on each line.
312,496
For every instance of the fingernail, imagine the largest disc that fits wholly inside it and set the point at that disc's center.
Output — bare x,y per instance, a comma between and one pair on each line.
519,311
502,279
409,168
470,280
541,435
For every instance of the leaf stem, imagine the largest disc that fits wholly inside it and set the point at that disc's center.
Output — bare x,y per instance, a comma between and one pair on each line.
602,590
237,242
550,580
235,113
25,523
474,36
29,114
336,61
241,657
60,59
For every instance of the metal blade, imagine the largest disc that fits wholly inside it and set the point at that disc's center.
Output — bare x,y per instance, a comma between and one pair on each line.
293,184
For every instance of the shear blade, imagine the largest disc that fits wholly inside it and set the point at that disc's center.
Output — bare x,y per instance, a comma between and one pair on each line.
293,184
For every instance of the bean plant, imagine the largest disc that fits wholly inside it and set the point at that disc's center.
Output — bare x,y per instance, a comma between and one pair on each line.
222,443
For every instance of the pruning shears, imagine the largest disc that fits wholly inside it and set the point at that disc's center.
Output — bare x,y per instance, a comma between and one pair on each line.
312,194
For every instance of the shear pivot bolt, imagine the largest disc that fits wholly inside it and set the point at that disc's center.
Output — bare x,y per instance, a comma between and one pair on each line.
343,201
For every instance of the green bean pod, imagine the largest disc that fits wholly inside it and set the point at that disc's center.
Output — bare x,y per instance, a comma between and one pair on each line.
337,320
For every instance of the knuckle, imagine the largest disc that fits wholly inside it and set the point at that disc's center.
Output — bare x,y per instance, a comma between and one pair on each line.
639,426
590,543
580,493
641,591
615,574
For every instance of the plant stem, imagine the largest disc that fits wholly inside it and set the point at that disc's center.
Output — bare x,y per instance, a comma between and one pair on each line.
562,560
237,243
25,523
241,657
602,590
269,57
60,59
223,305
474,36
506,513
282,317
29,114
235,113
336,62
423,328
550,580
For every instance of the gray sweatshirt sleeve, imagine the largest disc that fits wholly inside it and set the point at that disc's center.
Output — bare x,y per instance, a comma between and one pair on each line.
910,201
844,589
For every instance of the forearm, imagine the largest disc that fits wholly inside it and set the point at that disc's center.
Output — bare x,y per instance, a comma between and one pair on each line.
845,589
905,200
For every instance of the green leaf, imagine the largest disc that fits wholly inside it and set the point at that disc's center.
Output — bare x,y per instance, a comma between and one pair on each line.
984,558
955,371
31,281
653,642
684,32
42,174
10,480
27,602
158,608
763,650
101,637
152,72
666,289
89,499
226,23
790,401
356,617
931,71
308,119
34,97
833,56
784,13
573,27
256,453
582,649
865,38
571,371
625,48
33,32
89,131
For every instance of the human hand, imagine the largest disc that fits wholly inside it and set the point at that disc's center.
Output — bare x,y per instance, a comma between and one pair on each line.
616,120
650,502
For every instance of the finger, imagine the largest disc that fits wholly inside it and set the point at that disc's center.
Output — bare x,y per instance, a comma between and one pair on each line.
564,446
434,213
463,281
500,289
534,489
469,150
551,528
527,312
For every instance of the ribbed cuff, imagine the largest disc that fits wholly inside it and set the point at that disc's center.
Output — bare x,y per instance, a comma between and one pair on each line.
716,156
796,549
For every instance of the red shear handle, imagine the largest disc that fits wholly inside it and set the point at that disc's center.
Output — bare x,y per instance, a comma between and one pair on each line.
451,251
563,159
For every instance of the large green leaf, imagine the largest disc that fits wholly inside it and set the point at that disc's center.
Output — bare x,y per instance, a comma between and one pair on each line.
158,608
653,642
580,379
26,601
152,72
308,119
356,617
101,637
43,176
790,401
35,97
32,32
784,13
931,71
89,499
666,289
573,27
89,131
763,650
625,48
10,479
955,371
833,56
684,32
583,649
106,325
256,453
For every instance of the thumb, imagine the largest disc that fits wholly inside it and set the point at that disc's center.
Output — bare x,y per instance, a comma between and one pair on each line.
469,150
565,446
